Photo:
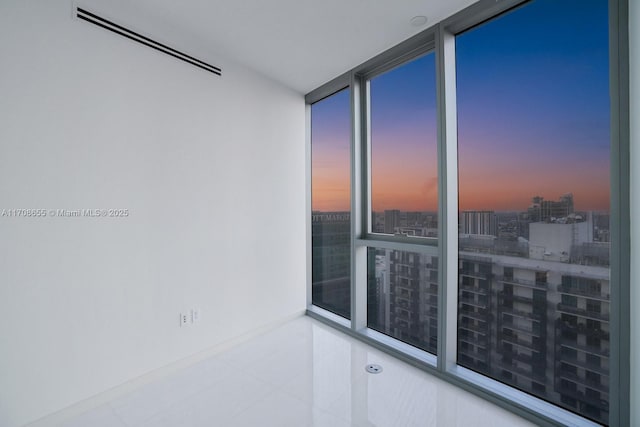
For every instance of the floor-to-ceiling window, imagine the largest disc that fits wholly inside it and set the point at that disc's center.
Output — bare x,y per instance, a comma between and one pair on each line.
402,297
330,203
533,174
482,219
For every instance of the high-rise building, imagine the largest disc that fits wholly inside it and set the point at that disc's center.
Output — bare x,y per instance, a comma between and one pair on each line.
391,221
475,334
405,304
526,315
549,210
536,321
331,267
478,222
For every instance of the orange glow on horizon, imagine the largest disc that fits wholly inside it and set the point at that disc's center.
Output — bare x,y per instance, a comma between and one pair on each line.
505,179
331,192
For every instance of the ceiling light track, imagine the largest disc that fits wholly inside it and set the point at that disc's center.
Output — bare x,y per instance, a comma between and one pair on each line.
125,32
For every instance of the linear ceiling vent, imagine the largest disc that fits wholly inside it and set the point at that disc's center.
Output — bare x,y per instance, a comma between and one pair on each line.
108,25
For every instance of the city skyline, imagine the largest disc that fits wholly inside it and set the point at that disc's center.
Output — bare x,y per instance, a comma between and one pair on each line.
535,125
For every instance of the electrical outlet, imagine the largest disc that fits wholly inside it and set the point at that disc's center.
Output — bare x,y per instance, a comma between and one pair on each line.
184,319
195,315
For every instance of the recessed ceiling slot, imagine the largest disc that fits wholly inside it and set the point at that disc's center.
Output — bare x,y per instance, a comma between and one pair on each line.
85,15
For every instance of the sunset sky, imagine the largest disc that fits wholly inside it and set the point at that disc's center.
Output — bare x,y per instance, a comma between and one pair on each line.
330,153
533,118
404,172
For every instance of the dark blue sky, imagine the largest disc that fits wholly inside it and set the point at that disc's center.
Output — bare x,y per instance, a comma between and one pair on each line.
533,106
557,71
533,115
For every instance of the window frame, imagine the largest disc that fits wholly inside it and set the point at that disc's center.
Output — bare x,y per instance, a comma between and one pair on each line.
367,234
440,38
325,91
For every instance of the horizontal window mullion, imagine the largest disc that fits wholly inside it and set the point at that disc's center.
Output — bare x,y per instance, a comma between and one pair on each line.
398,61
328,89
428,249
410,240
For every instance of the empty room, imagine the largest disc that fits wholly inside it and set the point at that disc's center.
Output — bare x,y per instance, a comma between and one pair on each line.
319,213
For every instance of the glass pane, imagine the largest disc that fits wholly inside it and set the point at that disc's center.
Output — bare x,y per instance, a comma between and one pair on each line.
330,203
404,174
403,296
533,140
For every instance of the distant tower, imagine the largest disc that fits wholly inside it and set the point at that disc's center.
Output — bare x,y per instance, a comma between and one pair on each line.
545,210
478,222
391,221
534,211
566,202
560,209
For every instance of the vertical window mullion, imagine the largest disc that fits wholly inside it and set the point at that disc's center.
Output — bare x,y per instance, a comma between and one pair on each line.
358,193
619,384
448,199
309,210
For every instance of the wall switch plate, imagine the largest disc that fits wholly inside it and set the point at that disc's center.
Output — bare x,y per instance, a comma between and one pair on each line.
184,319
195,315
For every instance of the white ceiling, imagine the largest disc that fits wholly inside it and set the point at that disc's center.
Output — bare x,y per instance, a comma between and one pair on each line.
300,43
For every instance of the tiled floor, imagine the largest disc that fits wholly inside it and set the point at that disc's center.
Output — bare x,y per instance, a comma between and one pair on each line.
300,374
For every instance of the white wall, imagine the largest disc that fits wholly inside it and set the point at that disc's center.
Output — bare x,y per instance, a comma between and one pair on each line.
211,170
634,42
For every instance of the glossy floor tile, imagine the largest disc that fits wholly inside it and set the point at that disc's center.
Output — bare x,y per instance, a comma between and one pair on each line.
303,373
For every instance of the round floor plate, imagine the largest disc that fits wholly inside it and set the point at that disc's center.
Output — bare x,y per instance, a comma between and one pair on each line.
373,369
